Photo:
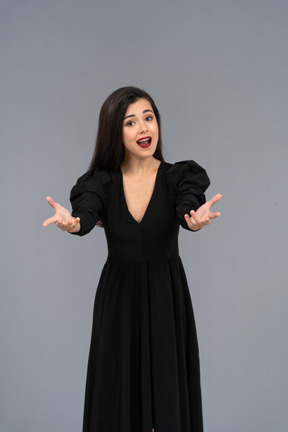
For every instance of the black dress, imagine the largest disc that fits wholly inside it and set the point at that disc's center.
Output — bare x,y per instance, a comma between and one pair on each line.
143,368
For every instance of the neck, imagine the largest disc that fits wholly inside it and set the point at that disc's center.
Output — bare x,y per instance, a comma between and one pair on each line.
137,166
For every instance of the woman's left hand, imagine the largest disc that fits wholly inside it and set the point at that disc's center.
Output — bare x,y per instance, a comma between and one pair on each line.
198,219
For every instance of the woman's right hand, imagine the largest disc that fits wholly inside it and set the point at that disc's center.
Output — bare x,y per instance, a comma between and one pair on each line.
62,218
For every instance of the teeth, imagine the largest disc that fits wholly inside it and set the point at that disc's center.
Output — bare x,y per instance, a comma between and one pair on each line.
143,140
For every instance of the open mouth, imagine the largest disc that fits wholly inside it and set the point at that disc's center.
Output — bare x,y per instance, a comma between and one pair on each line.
144,142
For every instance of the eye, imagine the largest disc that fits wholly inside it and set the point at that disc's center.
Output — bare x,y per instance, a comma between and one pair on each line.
149,118
130,123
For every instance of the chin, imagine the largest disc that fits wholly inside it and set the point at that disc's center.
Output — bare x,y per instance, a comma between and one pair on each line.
146,154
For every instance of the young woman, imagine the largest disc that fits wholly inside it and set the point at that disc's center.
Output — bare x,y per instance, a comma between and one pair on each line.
143,369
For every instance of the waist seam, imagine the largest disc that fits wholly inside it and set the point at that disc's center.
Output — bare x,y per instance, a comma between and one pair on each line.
171,258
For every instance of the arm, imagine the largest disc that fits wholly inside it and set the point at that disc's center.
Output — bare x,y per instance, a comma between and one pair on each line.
202,217
62,218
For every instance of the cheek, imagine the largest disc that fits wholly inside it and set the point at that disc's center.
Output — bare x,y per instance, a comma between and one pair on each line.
156,129
127,137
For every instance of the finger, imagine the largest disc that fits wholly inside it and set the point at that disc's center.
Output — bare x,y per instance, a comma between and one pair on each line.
214,199
214,215
195,217
63,226
74,220
205,221
191,223
198,221
188,221
68,225
50,201
59,223
74,224
49,221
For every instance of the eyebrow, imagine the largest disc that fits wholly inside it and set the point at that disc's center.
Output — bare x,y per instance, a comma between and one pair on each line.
133,115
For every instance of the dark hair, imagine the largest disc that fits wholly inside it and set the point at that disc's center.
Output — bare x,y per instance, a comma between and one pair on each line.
109,150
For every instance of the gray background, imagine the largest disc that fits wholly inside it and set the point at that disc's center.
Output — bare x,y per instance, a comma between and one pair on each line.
218,72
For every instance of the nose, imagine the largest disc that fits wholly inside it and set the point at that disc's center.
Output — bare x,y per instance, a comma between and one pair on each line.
143,127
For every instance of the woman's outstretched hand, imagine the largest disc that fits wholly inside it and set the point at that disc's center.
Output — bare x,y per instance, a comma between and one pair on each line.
201,217
62,218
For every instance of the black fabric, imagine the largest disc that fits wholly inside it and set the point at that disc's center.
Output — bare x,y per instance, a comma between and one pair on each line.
143,368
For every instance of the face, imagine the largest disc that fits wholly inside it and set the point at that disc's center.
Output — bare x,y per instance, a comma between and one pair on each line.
140,130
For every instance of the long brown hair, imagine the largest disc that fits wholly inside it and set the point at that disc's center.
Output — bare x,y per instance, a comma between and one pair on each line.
109,149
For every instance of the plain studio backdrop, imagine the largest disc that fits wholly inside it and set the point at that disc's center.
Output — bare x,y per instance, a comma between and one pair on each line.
217,70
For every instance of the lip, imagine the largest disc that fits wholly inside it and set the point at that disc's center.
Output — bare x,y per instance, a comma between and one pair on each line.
148,144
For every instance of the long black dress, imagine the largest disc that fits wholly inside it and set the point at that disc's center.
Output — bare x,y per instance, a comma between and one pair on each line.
143,368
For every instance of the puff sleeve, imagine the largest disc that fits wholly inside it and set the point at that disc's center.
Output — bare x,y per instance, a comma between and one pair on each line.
188,182
88,198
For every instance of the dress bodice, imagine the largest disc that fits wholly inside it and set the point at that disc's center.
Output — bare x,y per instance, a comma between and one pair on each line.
178,189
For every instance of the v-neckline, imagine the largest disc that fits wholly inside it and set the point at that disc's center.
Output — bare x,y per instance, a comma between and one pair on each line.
151,197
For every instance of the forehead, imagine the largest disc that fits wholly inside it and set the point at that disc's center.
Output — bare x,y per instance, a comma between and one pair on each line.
138,107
